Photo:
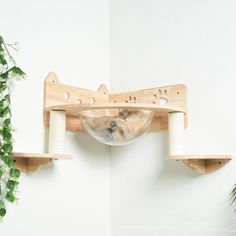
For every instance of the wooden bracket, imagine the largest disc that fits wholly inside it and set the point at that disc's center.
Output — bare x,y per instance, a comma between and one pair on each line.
203,163
31,162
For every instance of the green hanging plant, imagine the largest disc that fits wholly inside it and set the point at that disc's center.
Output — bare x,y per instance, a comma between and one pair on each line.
233,196
9,174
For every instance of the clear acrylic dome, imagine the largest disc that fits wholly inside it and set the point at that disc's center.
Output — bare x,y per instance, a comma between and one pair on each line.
116,126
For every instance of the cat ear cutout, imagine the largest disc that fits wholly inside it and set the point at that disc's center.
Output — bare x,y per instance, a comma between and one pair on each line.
103,89
52,78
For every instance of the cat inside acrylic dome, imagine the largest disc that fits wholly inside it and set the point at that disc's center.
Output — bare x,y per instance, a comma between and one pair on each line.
116,126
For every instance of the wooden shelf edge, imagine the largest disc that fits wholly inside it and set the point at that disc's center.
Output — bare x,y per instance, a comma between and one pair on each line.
42,156
74,122
31,162
71,109
200,157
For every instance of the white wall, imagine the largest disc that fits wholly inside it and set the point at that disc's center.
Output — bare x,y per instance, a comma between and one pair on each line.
72,39
157,42
152,43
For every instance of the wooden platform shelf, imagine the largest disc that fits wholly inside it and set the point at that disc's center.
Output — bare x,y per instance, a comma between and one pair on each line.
31,162
74,109
203,163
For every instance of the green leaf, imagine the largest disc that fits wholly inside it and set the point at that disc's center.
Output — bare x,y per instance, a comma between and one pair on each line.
11,184
233,192
1,204
1,48
2,212
10,197
6,111
7,97
17,70
3,61
15,173
4,75
8,161
1,40
3,85
233,199
7,122
7,148
6,131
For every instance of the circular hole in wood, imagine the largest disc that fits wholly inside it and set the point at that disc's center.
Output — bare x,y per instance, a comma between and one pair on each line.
114,101
67,95
126,101
178,92
93,100
219,162
163,101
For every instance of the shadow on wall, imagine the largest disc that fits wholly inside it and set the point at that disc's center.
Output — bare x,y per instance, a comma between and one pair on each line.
144,165
154,146
90,149
174,175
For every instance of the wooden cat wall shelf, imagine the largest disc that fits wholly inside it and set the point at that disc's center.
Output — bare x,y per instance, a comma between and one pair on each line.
116,119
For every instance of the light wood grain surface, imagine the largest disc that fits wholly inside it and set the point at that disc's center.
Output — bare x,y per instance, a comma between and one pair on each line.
31,162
